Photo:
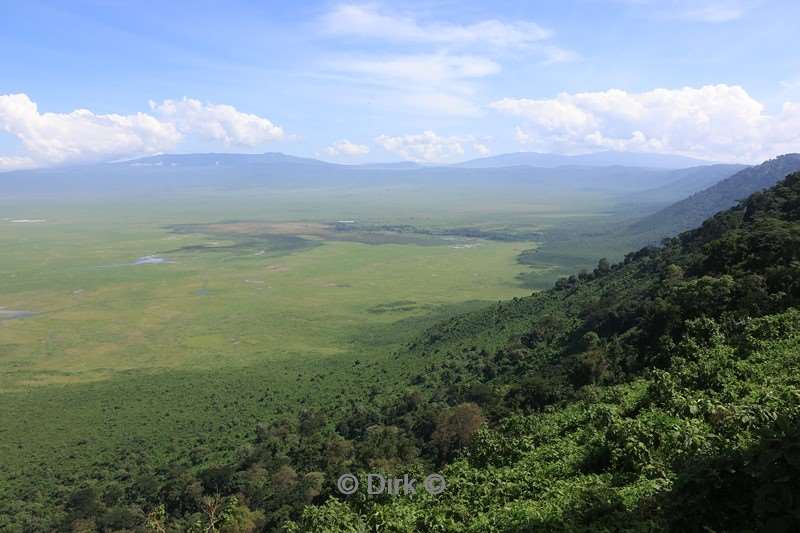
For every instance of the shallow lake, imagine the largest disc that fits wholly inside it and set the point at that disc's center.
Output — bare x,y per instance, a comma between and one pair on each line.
10,314
152,260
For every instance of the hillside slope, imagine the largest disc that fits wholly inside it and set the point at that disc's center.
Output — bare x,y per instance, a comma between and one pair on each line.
691,212
687,182
659,393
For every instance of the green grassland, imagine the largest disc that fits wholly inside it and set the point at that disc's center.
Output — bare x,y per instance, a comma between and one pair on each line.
264,307
99,314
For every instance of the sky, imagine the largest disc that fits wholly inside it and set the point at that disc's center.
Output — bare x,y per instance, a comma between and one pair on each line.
433,82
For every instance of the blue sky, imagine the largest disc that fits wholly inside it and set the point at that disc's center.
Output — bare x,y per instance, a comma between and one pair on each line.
434,81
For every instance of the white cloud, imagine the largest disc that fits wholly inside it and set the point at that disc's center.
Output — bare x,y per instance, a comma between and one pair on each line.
785,135
437,83
714,14
429,66
218,122
346,148
707,11
790,89
424,68
16,163
367,21
717,121
438,103
84,136
522,136
554,54
481,149
425,147
52,138
791,84
428,147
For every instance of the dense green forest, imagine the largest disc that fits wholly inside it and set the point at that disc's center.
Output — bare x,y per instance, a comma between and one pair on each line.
658,393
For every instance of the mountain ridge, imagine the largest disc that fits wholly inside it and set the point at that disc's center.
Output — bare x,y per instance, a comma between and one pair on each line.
605,158
533,159
171,173
691,211
688,181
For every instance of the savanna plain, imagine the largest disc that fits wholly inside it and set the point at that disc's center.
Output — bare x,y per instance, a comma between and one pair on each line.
157,330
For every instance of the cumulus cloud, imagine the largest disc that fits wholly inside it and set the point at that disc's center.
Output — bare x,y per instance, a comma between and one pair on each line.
719,122
218,122
346,148
426,147
81,135
84,136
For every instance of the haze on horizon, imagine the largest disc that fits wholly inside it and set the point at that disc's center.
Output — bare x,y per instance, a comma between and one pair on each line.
429,82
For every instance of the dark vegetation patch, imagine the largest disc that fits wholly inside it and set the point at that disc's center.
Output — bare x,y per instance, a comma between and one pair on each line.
386,237
263,238
503,234
269,244
548,266
406,330
398,306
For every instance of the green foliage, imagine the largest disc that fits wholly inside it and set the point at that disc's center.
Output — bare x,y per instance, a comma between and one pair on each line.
659,393
696,422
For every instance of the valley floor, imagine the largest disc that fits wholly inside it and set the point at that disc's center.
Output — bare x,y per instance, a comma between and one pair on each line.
145,339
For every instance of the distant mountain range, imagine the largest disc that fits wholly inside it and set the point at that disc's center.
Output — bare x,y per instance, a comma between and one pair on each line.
530,159
598,159
690,212
725,186
611,172
215,159
687,182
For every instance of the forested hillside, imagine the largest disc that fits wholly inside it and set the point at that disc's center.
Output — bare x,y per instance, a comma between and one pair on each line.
659,393
688,181
691,212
